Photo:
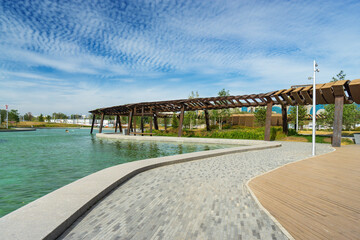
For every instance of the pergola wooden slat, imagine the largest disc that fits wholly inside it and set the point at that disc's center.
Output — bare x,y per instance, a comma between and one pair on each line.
338,93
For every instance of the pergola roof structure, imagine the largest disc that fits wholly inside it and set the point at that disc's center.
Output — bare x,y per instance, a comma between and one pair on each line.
325,94
338,93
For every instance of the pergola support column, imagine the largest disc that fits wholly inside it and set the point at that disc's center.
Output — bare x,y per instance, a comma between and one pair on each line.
151,119
142,120
120,127
101,122
134,121
116,123
207,120
130,121
181,121
165,123
92,124
284,119
338,115
156,125
268,120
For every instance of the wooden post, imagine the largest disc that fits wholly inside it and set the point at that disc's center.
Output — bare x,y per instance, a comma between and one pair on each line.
207,120
116,122
101,122
142,120
338,115
151,113
156,125
134,121
92,124
284,119
181,120
120,127
268,120
165,123
130,121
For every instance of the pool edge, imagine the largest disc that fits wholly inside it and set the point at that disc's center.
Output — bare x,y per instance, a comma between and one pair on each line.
49,216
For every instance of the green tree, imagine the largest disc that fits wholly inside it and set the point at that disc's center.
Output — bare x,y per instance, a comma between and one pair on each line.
222,114
351,116
301,115
260,116
28,116
340,76
60,116
3,115
48,118
190,117
14,115
174,121
351,112
41,118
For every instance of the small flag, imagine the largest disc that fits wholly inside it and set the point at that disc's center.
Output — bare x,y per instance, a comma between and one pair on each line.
6,107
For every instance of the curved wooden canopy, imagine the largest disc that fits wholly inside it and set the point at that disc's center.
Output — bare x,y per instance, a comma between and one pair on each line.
325,94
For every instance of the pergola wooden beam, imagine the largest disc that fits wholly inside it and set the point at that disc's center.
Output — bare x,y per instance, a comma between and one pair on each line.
92,124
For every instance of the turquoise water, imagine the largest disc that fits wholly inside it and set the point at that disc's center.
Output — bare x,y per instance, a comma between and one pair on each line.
35,163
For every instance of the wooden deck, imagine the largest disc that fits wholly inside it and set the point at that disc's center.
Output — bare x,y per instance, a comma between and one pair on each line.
317,198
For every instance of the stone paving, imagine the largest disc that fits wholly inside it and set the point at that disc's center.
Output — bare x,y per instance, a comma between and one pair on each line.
203,199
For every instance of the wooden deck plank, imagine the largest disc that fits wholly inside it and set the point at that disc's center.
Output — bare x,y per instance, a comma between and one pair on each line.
317,198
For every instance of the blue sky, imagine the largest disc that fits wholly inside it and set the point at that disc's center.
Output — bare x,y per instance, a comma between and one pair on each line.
74,56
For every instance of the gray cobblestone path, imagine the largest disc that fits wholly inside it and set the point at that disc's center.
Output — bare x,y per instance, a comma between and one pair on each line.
204,199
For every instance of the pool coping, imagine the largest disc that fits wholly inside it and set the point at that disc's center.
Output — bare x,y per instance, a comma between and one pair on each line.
49,216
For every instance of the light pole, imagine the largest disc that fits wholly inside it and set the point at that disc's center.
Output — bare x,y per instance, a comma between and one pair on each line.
314,109
297,118
7,117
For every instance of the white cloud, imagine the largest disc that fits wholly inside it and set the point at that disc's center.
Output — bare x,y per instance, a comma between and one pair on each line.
107,53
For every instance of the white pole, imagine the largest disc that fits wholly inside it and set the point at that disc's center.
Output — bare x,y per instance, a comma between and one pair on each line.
7,117
314,111
297,118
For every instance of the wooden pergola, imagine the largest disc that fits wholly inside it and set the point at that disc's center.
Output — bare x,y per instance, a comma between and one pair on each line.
338,93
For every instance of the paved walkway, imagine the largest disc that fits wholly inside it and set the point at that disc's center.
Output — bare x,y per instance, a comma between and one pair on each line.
317,198
204,199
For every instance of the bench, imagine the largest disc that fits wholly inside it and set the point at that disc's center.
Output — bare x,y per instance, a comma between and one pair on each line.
142,134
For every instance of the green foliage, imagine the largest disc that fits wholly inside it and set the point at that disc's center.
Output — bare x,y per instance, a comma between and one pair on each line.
301,115
174,121
340,76
3,115
194,95
48,118
28,116
223,114
60,116
14,115
41,118
292,132
190,117
351,116
75,116
124,119
260,116
243,133
347,141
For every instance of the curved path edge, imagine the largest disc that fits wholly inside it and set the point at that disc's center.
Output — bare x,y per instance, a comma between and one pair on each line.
287,234
49,216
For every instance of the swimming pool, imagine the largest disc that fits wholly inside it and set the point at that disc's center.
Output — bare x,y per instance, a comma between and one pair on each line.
33,164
